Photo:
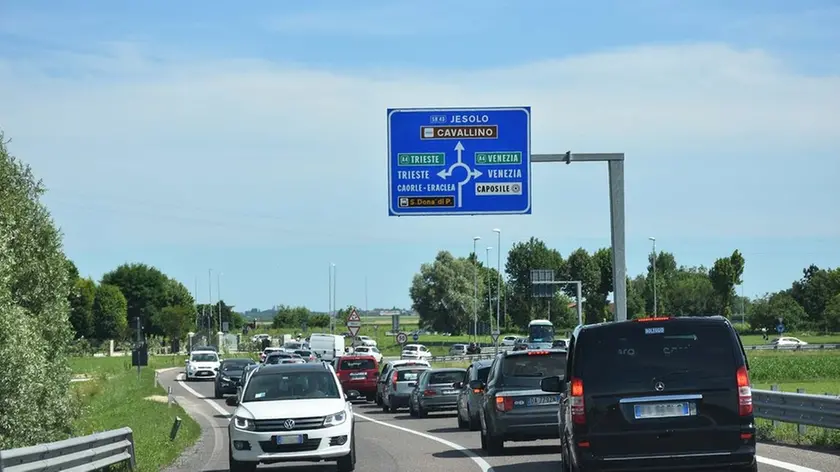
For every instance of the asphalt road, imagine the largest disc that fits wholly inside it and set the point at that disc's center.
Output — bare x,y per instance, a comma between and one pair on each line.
395,442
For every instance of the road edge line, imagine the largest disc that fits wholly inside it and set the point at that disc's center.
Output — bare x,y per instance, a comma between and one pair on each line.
210,402
479,461
784,465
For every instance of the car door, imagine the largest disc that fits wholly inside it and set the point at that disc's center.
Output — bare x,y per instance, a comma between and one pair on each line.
464,392
415,393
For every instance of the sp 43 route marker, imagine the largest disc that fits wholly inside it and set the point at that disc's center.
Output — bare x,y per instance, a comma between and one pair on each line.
354,323
459,161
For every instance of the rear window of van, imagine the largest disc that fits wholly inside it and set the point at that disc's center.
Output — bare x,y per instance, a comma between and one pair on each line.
629,353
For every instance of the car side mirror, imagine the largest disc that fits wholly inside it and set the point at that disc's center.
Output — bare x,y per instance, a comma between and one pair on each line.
186,361
476,385
553,384
232,401
458,385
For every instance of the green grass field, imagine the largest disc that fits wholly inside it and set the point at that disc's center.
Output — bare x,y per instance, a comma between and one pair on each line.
115,398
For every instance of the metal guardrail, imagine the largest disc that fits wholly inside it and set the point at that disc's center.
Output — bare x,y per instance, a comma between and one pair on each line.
798,408
791,347
82,454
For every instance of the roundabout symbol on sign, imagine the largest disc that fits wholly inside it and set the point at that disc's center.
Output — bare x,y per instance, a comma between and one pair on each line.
402,338
416,336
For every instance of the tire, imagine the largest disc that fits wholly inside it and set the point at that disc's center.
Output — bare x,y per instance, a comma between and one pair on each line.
236,466
475,423
565,465
217,394
493,445
347,463
421,413
461,423
385,408
378,399
370,398
749,468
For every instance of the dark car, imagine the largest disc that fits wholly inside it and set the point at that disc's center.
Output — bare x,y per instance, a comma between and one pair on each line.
274,357
657,394
246,372
513,406
473,348
520,344
230,373
469,399
435,391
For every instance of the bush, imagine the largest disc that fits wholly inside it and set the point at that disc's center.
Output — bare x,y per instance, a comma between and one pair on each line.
35,332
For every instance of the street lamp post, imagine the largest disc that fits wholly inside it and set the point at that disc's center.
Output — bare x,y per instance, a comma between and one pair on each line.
489,287
332,298
219,296
499,286
475,289
653,240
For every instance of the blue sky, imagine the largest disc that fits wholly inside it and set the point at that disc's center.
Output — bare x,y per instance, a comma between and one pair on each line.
251,139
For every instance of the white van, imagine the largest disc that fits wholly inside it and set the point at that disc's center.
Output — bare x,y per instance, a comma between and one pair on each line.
327,346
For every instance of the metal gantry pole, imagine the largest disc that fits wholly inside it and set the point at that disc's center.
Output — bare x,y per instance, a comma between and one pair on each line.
499,285
475,289
653,263
615,165
579,289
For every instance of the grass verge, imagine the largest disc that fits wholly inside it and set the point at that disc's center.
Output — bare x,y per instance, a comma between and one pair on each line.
116,398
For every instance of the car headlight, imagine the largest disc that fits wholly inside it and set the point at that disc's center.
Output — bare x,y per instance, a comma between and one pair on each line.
336,419
225,379
246,424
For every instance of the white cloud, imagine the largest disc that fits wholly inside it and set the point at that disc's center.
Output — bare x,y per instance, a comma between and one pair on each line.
718,141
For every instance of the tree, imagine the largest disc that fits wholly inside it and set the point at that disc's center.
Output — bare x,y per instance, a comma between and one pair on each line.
814,290
636,297
725,275
522,258
81,307
35,330
768,310
666,265
690,292
145,291
290,317
109,313
831,314
581,266
175,321
442,293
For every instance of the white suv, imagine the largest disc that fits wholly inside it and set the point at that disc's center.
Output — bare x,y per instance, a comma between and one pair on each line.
202,365
291,412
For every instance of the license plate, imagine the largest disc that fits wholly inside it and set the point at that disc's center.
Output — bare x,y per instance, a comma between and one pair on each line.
358,376
290,439
543,400
665,410
449,392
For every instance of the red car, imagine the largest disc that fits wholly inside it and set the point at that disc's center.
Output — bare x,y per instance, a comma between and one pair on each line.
358,373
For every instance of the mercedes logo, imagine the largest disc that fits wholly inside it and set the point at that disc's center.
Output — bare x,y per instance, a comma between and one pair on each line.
659,386
289,424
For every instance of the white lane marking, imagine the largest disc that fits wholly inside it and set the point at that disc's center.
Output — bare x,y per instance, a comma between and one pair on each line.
485,467
180,377
167,369
208,400
784,465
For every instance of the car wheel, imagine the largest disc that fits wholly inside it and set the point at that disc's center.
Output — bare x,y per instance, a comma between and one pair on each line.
237,466
421,413
378,399
565,465
217,393
461,423
348,462
750,468
370,398
475,423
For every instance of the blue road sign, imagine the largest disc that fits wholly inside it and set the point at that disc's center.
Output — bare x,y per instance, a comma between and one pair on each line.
780,328
416,336
459,161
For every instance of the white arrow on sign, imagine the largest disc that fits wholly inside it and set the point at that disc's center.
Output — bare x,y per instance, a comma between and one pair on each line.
471,173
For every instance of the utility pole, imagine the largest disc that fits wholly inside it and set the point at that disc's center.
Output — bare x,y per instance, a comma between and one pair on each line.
210,303
499,287
219,296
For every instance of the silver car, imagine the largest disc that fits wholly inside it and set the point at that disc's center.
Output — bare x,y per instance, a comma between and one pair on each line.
398,388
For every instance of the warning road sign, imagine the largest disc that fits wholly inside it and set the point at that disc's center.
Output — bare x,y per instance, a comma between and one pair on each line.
354,323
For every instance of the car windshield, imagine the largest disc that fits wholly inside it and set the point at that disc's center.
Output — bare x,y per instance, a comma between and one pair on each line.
205,357
447,377
357,364
410,348
236,364
528,370
275,358
290,386
304,353
632,353
409,375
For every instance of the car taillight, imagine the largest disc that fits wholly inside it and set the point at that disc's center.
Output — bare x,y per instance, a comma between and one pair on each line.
745,402
576,404
653,318
429,393
538,353
504,403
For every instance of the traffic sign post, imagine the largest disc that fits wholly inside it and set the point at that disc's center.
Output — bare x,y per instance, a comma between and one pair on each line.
495,337
354,323
402,338
459,161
